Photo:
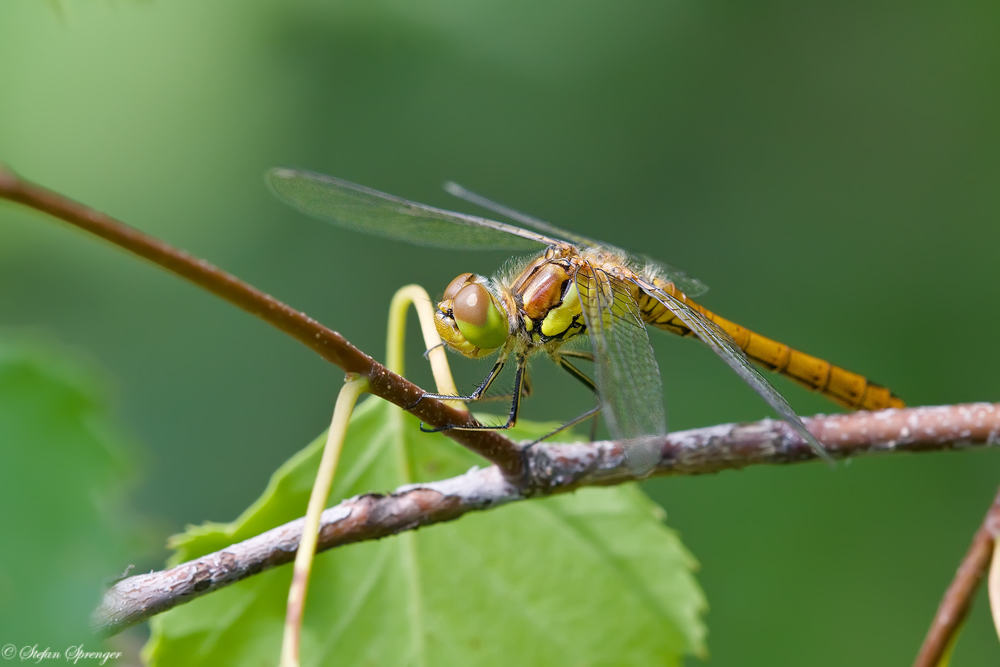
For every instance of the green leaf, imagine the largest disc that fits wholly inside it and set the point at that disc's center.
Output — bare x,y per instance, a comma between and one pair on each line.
63,469
592,578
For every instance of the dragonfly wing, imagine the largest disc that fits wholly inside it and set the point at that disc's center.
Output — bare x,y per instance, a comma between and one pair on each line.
684,282
723,345
465,194
628,379
372,212
687,284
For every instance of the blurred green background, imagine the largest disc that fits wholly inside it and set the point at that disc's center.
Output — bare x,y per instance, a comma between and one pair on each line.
829,169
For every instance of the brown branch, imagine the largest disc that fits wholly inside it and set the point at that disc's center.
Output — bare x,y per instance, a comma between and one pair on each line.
551,469
958,598
328,344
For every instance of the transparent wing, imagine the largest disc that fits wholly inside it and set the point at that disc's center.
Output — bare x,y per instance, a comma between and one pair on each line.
372,212
723,345
628,379
687,284
457,190
684,282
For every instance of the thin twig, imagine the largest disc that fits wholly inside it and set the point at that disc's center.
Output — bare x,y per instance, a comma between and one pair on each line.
552,469
958,598
329,344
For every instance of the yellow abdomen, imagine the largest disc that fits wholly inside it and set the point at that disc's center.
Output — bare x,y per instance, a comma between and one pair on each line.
839,385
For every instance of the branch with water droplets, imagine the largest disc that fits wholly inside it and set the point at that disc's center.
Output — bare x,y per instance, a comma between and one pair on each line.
551,469
328,344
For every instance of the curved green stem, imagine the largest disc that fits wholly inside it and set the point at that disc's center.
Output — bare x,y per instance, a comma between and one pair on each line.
354,386
395,352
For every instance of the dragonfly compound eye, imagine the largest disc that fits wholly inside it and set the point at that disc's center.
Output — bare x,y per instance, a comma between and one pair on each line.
456,285
478,318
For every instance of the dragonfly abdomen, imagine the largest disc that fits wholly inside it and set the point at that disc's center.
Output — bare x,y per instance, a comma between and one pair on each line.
841,386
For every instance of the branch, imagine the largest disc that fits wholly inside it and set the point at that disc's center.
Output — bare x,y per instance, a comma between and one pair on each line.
545,470
328,344
957,599
551,469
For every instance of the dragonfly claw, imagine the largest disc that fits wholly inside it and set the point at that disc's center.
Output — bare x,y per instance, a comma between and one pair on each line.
414,403
427,352
435,429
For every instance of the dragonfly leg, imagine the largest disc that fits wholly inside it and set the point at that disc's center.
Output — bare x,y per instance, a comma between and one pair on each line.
427,352
515,404
526,390
573,370
526,387
582,377
587,382
592,412
577,354
474,396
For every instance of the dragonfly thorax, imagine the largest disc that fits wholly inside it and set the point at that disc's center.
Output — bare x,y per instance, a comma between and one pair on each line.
548,301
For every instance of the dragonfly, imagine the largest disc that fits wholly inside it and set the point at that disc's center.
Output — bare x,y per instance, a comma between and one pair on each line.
574,286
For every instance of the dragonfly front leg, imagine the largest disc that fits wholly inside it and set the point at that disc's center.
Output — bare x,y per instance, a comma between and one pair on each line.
474,396
427,352
526,389
515,404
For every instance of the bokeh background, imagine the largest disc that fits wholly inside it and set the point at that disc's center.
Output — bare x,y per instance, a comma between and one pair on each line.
830,169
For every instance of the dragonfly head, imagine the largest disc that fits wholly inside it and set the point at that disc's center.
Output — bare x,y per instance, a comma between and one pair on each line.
470,318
